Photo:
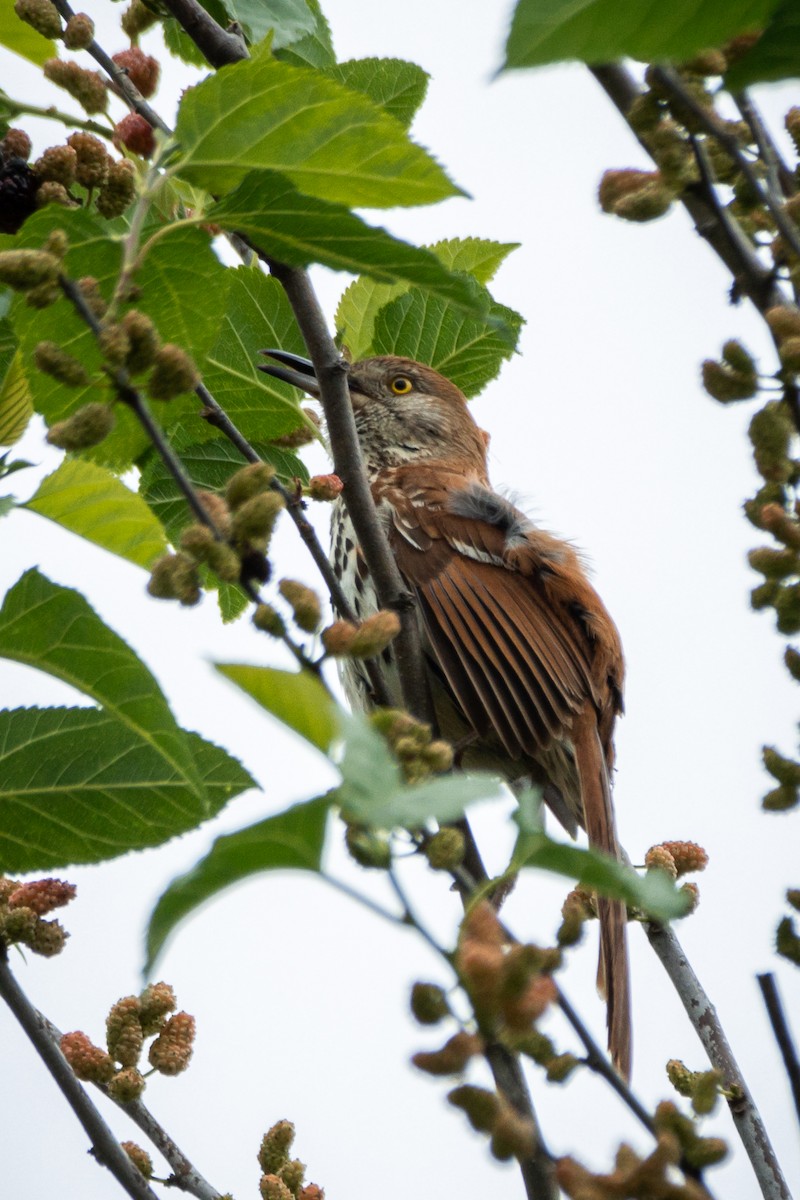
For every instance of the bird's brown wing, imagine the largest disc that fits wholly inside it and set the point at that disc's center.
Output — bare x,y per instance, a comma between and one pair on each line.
529,654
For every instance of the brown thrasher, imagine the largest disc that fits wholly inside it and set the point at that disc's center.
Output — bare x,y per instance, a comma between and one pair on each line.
525,663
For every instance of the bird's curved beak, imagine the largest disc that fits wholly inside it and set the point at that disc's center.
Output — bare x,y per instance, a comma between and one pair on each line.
297,371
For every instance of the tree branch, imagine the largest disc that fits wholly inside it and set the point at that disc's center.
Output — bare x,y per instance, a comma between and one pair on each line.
703,1017
105,1147
783,1036
751,276
219,46
186,1175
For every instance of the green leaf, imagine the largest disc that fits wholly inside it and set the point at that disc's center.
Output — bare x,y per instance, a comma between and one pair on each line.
596,31
333,143
288,20
209,465
776,54
16,407
358,308
55,630
180,45
298,699
361,302
300,230
184,288
293,840
654,893
479,257
316,48
79,786
22,38
372,791
395,85
465,349
84,785
444,799
91,502
257,316
92,251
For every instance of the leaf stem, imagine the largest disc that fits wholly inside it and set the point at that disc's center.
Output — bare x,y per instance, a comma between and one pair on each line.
16,108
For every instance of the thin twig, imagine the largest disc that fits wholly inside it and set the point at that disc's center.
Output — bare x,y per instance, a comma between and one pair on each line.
122,84
751,276
703,1016
670,80
783,1036
781,176
105,1147
184,1174
13,109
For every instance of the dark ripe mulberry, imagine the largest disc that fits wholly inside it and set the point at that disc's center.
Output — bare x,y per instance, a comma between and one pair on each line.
18,185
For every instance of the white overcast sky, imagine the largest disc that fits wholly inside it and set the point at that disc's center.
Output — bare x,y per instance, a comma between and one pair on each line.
601,428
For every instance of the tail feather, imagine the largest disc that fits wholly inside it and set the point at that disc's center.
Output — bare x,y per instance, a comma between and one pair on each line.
613,973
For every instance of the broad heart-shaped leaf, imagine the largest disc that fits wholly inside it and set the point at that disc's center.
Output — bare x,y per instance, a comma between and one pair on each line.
596,31
296,698
209,465
257,317
776,54
292,840
363,299
299,229
395,85
333,143
287,20
22,38
80,786
183,288
54,629
90,501
465,349
315,49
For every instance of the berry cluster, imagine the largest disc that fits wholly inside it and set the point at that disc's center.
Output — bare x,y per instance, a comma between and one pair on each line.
130,1022
23,907
283,1177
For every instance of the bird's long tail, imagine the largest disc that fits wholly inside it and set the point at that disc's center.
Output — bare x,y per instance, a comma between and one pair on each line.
613,972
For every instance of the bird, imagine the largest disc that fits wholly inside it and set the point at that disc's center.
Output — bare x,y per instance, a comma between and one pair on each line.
524,661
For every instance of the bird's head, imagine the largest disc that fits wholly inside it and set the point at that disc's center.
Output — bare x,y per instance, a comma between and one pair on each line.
404,411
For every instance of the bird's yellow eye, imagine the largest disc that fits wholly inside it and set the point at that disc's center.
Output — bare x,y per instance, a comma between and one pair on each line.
401,385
